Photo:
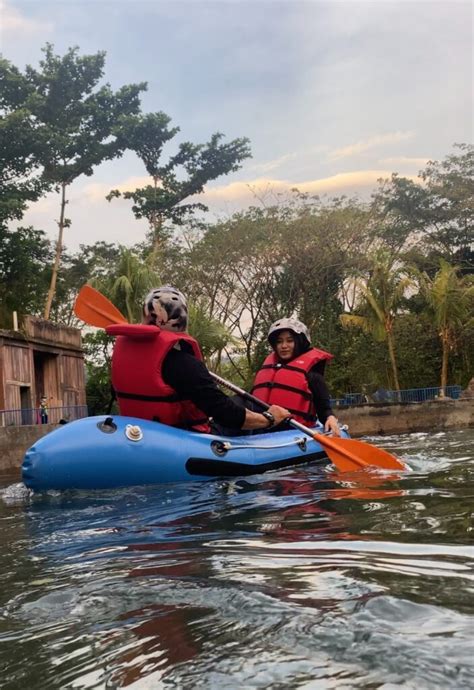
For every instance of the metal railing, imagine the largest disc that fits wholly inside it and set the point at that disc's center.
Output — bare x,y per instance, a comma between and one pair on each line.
406,395
32,416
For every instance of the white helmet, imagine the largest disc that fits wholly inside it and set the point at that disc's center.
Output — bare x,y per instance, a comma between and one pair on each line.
166,307
289,324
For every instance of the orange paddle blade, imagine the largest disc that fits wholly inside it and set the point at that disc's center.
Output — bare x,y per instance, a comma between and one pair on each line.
350,455
95,309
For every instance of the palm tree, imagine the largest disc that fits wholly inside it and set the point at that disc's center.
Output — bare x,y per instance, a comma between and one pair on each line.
449,300
210,333
381,294
129,283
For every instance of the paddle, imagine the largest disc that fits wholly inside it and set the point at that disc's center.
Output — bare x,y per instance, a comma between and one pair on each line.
92,307
346,454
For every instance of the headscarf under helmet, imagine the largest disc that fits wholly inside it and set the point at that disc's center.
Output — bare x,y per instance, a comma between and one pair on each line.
166,307
295,326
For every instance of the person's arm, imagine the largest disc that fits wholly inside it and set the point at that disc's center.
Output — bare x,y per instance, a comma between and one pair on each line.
322,402
190,378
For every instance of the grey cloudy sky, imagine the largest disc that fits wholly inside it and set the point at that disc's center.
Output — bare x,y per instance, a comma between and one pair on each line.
332,95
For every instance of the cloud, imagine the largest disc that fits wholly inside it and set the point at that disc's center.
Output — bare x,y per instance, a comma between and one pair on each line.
371,143
272,165
97,191
245,192
405,161
14,22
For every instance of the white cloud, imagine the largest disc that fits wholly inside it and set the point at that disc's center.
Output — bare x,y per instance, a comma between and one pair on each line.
272,165
243,193
13,22
97,191
371,143
405,161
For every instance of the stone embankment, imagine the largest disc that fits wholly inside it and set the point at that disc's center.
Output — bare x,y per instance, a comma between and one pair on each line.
366,420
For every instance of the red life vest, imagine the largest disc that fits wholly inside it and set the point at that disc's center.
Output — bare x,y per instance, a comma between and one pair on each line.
287,384
137,378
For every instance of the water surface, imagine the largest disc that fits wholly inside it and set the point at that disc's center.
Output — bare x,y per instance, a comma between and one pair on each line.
293,579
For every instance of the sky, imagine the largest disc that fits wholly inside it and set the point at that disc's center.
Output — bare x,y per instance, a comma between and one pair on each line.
332,95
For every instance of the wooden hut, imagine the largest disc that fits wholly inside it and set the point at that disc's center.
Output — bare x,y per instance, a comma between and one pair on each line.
41,359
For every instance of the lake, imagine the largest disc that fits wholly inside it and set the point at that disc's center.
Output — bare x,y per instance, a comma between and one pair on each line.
295,579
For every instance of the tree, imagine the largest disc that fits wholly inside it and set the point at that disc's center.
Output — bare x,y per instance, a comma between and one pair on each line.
20,146
25,256
75,121
94,262
128,283
450,301
437,214
382,292
182,176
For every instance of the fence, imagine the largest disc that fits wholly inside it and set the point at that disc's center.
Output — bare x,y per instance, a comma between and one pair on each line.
31,416
405,396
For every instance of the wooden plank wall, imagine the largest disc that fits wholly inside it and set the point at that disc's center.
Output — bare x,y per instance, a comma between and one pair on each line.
18,369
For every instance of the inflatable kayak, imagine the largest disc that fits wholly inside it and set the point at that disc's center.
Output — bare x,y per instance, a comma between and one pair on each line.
108,452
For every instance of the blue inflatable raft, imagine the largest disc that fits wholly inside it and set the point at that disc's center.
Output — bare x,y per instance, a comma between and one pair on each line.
107,452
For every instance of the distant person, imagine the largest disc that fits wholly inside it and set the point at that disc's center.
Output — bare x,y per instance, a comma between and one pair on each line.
292,376
158,372
43,410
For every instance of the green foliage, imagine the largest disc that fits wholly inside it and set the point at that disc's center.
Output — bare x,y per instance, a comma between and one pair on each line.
25,255
20,145
128,282
72,122
450,305
435,217
182,176
211,334
78,118
99,392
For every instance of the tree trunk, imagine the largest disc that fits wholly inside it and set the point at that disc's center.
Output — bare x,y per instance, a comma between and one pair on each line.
57,258
444,364
156,222
393,360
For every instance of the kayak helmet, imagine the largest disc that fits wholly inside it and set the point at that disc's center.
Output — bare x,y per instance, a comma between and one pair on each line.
166,307
290,324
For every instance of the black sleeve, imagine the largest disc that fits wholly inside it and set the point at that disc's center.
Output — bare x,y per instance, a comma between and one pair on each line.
321,397
191,380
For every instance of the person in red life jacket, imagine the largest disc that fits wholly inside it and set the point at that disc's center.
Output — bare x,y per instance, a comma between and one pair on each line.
158,372
292,375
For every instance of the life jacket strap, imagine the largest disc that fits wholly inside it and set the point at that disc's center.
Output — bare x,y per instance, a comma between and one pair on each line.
285,387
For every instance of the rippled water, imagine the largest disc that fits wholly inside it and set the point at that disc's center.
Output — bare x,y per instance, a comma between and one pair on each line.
286,580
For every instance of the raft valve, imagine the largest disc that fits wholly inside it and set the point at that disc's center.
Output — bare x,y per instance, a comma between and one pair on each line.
133,432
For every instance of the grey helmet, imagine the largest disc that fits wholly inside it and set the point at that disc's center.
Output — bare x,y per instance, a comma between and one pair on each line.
289,324
166,307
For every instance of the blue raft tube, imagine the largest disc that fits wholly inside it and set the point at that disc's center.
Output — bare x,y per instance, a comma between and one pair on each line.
107,452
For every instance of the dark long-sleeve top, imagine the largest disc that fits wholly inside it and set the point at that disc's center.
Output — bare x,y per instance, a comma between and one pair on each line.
321,397
189,377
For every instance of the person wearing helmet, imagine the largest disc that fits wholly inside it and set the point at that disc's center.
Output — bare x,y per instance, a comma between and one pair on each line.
292,375
158,372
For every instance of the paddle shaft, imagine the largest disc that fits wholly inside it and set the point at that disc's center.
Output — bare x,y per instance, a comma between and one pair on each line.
257,401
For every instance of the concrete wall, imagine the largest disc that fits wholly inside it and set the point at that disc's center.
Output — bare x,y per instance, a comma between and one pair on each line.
15,441
375,419
367,420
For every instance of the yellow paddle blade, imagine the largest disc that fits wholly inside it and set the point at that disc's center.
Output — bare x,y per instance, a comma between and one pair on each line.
95,309
349,454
